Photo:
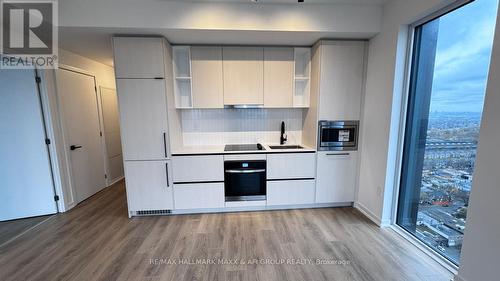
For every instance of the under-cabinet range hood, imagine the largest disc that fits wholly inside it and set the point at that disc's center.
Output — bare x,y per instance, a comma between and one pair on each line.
239,106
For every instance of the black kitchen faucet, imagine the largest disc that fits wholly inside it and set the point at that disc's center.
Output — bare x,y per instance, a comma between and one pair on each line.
283,137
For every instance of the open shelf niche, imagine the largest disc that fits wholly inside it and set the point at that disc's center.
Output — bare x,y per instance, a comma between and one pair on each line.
182,76
302,58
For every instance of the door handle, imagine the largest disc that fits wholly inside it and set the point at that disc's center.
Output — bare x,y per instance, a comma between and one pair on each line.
74,147
166,172
338,154
245,171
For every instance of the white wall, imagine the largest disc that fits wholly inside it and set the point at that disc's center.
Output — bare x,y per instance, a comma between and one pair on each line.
481,246
381,118
236,126
186,15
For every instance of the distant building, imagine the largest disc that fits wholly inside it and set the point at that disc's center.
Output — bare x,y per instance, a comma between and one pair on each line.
440,226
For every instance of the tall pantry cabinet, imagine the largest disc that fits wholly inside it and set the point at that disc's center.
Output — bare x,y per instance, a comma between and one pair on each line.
142,70
338,75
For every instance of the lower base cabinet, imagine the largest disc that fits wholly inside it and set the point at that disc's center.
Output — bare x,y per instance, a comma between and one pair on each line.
336,177
290,192
149,185
199,196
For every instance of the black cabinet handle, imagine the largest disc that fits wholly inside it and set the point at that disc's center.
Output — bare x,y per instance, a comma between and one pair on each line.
165,144
73,147
166,172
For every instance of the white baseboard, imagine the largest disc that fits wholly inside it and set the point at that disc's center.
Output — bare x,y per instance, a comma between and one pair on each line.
385,223
365,211
254,208
111,182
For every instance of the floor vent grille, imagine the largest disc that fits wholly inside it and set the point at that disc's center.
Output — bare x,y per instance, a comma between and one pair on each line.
153,212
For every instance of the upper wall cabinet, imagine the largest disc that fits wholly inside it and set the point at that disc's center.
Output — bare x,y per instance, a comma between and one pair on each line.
138,57
342,79
278,77
302,75
213,76
206,72
243,75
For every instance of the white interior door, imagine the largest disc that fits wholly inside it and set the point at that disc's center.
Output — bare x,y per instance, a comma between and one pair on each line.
26,188
80,118
111,120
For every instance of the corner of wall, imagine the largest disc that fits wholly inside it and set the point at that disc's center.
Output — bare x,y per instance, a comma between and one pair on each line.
369,214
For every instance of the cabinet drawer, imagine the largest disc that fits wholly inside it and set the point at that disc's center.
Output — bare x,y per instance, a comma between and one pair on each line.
198,168
291,166
199,196
291,192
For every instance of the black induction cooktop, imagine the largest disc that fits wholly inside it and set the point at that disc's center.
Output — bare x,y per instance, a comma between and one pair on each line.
244,147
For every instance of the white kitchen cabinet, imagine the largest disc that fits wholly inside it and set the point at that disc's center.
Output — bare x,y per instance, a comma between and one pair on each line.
341,79
207,80
143,118
198,168
301,92
291,165
199,196
290,192
138,57
336,176
149,185
243,75
278,77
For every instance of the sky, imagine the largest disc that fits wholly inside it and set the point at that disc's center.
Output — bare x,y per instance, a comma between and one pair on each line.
463,55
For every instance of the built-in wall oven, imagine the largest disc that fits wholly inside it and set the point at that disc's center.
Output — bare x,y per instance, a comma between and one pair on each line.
338,135
245,180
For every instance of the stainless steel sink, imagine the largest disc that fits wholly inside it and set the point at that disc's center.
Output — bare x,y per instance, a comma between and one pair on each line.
285,147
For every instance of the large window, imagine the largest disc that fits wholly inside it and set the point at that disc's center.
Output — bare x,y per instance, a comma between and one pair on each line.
449,67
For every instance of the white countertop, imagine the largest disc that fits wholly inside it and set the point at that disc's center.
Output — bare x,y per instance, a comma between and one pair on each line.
219,149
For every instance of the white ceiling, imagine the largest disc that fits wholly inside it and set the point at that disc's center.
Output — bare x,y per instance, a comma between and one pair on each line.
375,2
86,29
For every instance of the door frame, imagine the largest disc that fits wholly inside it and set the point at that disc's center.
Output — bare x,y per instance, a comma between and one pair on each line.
64,179
47,102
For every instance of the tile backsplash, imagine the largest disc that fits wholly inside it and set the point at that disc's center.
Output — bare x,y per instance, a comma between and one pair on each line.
236,126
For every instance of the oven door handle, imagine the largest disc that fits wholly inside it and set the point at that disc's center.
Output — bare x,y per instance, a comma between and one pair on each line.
245,171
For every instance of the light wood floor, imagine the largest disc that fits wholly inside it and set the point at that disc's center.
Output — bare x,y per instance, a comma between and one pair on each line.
96,241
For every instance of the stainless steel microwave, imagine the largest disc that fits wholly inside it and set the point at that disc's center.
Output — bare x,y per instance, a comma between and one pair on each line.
338,135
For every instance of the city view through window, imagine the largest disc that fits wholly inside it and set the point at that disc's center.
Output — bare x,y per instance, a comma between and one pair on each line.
443,124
